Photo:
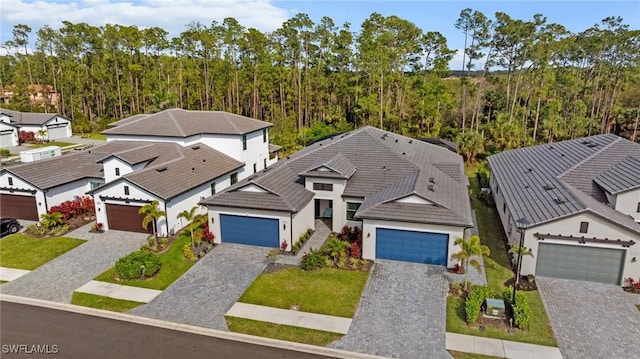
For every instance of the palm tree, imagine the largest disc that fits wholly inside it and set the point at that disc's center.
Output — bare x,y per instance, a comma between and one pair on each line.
191,216
152,214
520,251
468,249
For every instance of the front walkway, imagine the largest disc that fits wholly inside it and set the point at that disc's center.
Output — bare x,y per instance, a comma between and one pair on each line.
294,318
117,291
500,348
207,290
58,279
316,241
402,313
592,320
9,274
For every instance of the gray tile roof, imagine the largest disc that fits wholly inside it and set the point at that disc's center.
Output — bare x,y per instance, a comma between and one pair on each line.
388,167
623,176
136,155
274,148
184,123
28,118
197,165
52,172
546,182
337,167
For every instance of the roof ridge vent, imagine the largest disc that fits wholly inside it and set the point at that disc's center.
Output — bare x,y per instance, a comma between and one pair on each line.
195,148
431,187
432,180
162,169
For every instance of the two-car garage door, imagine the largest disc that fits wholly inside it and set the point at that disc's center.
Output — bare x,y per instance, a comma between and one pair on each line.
412,246
592,264
249,230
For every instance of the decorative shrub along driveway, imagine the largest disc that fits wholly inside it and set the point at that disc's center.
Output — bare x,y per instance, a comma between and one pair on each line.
206,292
57,279
592,320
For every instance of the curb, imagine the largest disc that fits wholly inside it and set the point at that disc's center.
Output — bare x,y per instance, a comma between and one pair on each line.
239,337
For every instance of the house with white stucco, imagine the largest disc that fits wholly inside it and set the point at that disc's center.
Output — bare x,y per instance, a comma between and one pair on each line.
54,126
575,204
409,197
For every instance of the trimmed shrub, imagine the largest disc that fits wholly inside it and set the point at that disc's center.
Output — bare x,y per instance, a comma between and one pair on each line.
187,252
136,264
483,177
473,304
521,311
314,259
355,251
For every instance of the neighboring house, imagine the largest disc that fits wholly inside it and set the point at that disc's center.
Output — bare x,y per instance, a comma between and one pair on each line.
409,197
29,190
242,138
8,133
55,126
578,204
177,177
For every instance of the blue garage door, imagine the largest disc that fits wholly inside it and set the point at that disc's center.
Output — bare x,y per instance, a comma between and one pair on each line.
249,230
411,246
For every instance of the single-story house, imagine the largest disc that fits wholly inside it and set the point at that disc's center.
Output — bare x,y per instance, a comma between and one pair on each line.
575,204
55,126
8,134
242,138
29,190
409,197
177,177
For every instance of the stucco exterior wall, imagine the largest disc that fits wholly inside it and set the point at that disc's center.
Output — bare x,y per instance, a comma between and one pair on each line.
628,202
369,235
109,169
301,222
598,227
339,210
137,197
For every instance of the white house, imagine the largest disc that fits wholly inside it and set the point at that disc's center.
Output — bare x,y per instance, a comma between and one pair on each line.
409,197
242,138
54,126
575,204
175,176
8,133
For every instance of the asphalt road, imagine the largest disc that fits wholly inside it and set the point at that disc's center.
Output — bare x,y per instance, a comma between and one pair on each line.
72,335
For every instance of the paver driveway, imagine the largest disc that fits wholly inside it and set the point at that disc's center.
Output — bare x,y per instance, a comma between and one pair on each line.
402,313
205,293
57,279
592,320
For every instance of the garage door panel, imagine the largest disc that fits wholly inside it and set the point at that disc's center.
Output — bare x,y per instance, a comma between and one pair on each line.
20,207
126,218
412,246
6,140
254,231
603,265
54,133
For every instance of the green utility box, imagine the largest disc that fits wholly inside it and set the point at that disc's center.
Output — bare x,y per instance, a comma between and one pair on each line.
495,309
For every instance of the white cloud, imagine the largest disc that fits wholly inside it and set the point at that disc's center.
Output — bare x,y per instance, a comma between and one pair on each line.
171,15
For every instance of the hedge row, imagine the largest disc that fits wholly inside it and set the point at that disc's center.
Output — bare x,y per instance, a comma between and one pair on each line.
521,309
473,304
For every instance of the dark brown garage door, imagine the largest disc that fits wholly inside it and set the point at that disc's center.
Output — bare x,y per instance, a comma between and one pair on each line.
21,207
125,218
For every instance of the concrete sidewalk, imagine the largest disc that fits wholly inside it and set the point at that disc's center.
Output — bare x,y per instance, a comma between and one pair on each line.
500,348
294,318
126,292
9,274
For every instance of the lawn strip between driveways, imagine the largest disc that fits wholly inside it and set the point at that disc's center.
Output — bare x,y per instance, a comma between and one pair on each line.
21,251
498,270
282,332
173,262
105,303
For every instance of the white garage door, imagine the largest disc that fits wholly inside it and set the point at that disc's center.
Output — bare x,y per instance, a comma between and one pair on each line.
54,133
6,139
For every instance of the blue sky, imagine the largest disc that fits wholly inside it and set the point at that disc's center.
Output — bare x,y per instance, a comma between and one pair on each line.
268,15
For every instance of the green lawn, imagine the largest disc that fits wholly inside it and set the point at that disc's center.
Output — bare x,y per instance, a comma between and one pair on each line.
498,270
282,332
100,302
638,306
53,143
24,252
97,136
324,291
173,266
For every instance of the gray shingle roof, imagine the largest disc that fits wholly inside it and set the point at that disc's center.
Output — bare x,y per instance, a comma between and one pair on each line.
198,164
184,123
52,172
389,167
28,118
622,177
551,181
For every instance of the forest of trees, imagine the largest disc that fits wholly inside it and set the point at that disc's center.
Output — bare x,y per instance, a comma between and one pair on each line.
521,81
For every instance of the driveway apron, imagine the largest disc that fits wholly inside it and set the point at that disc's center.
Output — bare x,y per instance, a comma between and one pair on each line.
592,320
207,291
402,313
56,280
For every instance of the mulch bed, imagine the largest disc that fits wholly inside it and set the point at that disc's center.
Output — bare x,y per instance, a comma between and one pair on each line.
524,284
276,267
